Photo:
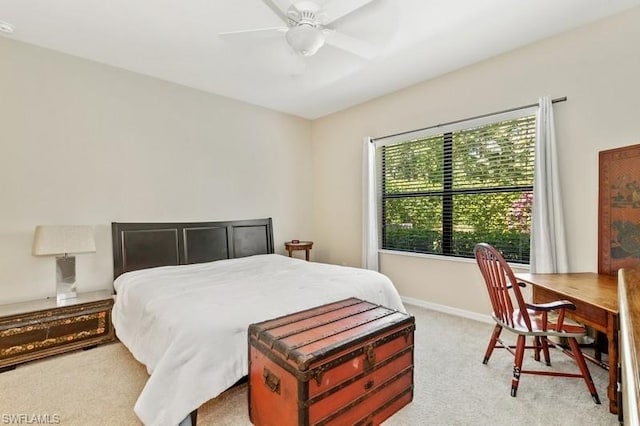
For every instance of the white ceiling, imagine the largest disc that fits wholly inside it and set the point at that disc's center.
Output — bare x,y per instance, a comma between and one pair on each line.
177,40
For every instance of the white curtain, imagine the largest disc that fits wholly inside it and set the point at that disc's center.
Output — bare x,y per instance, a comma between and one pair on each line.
369,207
548,246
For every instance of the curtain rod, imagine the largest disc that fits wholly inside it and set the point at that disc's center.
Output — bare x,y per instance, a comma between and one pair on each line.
466,119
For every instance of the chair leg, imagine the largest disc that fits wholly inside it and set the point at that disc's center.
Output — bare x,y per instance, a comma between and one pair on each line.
492,343
517,366
537,346
582,365
545,351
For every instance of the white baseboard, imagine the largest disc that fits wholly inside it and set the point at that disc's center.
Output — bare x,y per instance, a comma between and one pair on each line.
448,310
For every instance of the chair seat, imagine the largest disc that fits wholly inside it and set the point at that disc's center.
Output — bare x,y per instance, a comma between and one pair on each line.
569,328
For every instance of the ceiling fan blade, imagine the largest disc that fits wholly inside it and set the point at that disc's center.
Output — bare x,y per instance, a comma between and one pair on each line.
336,9
258,32
350,44
280,8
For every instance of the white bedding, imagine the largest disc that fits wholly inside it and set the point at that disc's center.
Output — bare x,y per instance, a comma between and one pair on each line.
188,324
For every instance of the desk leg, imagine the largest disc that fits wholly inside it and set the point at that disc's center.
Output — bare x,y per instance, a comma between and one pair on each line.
306,253
612,333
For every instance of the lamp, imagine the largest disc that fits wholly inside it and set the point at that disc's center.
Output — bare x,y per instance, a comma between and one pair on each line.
62,240
305,39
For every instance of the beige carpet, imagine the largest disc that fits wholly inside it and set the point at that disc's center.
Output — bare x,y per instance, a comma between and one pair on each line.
452,386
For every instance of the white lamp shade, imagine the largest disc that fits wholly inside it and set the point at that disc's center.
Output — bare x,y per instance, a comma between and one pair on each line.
49,240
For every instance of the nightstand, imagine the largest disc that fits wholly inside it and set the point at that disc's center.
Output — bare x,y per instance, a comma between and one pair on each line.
292,246
40,328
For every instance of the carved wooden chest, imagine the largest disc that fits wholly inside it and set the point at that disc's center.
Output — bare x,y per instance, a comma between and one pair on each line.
37,329
348,362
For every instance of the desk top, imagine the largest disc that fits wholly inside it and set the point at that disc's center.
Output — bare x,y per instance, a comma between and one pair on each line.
595,289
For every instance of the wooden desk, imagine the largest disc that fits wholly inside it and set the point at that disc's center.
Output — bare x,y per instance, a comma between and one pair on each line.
596,300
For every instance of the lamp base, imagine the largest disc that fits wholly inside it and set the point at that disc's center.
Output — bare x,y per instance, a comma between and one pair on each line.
65,277
65,291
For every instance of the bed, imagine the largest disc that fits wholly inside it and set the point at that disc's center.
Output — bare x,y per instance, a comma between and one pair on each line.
186,293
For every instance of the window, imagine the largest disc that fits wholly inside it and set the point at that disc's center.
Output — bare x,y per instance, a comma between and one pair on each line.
443,193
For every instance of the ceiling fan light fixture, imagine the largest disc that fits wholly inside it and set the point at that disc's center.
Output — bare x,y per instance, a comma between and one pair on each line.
305,39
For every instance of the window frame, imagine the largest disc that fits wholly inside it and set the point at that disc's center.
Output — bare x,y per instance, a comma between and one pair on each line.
448,192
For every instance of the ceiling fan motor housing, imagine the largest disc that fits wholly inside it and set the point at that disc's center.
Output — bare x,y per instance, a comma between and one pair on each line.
308,17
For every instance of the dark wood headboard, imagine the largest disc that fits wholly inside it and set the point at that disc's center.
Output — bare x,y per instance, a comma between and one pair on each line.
147,245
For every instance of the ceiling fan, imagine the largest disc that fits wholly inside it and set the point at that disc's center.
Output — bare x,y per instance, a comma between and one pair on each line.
309,25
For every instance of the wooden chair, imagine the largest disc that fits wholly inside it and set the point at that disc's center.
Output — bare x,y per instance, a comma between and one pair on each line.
536,320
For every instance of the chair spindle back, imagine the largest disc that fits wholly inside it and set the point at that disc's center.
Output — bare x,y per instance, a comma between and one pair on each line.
501,283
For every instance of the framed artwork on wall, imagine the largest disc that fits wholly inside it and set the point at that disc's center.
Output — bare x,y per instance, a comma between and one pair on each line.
619,209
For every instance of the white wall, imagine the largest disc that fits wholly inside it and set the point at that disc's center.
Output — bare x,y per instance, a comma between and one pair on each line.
596,67
83,143
87,144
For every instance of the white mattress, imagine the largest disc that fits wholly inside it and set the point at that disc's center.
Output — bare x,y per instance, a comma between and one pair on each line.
188,324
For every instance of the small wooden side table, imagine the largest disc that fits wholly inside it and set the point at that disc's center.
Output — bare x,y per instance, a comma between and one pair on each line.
292,246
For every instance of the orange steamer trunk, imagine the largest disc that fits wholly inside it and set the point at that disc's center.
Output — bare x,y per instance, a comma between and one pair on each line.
348,362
